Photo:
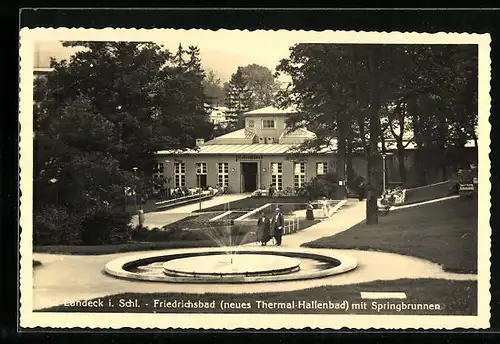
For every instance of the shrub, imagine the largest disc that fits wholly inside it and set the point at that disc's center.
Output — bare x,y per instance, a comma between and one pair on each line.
105,225
322,186
56,226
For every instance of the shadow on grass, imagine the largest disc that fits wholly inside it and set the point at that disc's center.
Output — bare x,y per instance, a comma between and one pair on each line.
427,193
448,297
443,232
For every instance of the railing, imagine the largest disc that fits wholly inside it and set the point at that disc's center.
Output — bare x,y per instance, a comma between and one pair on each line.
183,200
292,225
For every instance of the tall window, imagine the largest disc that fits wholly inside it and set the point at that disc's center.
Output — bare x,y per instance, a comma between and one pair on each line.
223,173
321,168
251,123
180,174
268,123
277,175
201,174
299,174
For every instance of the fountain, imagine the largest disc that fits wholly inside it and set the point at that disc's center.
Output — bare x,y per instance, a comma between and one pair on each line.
230,262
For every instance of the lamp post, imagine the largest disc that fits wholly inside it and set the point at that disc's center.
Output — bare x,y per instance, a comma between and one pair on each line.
200,199
135,188
384,173
166,180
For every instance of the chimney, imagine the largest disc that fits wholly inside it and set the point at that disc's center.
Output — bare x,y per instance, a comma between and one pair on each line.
200,142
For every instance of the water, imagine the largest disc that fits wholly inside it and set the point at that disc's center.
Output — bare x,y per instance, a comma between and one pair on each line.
307,265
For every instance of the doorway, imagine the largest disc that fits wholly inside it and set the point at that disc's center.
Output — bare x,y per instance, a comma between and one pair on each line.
249,176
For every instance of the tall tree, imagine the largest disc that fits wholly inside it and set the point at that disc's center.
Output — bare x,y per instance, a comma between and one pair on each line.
262,84
344,92
238,99
105,112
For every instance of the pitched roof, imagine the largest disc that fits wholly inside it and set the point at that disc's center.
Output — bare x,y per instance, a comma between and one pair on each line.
241,134
260,149
270,110
299,132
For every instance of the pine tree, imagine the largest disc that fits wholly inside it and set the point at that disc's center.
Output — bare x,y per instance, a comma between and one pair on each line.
238,99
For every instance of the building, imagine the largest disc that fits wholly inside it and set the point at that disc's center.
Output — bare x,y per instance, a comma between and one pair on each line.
250,158
218,116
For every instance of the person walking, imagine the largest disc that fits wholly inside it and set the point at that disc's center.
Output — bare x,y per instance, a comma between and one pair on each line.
263,230
310,211
325,207
277,224
141,217
361,190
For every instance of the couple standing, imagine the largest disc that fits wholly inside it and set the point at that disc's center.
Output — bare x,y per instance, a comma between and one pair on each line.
273,228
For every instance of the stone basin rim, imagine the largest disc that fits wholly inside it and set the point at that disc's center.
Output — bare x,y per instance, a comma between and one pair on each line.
116,268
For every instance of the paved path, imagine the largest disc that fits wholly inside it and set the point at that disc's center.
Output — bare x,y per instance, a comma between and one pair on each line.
165,217
350,214
68,278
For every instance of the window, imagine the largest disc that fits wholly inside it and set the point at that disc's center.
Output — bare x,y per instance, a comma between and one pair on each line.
223,173
159,170
277,175
201,174
321,168
299,174
180,174
268,123
250,123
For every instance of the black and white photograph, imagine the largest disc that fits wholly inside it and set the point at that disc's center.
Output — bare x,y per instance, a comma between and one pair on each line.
254,179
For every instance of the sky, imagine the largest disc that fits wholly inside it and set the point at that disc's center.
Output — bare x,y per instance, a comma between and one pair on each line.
221,51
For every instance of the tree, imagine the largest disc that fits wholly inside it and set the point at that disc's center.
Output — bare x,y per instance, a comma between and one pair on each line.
328,97
238,99
153,98
214,89
346,92
100,115
262,84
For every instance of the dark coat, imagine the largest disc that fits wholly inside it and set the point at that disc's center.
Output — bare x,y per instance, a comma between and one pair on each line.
264,229
277,224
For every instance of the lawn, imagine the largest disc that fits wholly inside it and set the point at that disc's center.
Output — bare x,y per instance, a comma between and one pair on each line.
444,232
427,193
91,250
251,203
452,298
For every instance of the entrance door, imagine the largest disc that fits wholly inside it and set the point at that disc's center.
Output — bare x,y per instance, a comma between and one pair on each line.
249,176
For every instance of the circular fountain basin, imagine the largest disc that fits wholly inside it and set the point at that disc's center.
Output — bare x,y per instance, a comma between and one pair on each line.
250,265
224,265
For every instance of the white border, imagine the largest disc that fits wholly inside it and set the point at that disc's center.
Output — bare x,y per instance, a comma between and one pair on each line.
29,319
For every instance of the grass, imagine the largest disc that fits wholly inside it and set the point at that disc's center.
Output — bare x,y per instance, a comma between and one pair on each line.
453,298
444,232
92,250
251,203
427,193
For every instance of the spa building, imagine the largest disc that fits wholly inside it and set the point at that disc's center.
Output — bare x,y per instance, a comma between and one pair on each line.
250,158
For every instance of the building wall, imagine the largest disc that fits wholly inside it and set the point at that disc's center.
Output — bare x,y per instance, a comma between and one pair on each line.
260,132
264,169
